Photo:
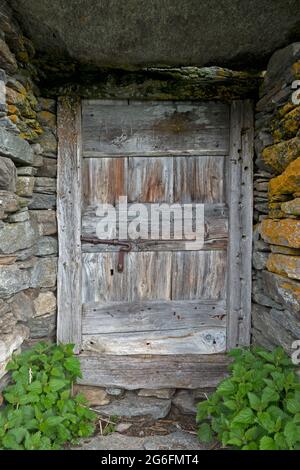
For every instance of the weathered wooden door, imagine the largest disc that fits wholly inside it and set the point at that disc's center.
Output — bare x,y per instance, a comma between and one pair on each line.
164,317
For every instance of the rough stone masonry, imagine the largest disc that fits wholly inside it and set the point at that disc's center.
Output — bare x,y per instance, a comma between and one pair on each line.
28,244
276,250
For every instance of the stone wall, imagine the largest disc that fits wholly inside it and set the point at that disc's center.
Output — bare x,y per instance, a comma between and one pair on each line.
276,257
28,243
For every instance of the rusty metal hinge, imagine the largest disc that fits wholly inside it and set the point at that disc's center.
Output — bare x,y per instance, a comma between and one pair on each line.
125,247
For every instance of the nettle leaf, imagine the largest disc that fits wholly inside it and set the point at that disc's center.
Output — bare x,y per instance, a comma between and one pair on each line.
226,387
291,433
57,384
267,443
72,364
269,395
267,422
35,387
29,398
293,405
254,400
204,433
244,416
231,404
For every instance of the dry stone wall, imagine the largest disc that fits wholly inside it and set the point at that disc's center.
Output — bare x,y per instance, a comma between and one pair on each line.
276,250
28,242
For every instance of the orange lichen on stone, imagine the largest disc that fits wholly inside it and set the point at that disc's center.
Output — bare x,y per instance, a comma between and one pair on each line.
14,118
291,287
287,127
285,232
291,207
287,183
285,265
296,69
280,155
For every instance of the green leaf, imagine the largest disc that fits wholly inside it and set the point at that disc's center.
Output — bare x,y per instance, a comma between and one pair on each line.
293,406
56,384
72,364
9,442
269,395
267,443
235,442
266,421
226,387
29,398
35,387
254,401
231,404
291,433
245,416
19,434
204,433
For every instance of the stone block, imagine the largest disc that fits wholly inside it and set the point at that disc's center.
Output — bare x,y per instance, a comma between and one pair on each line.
26,171
44,303
7,59
287,183
285,265
45,185
42,201
21,305
44,273
25,185
46,246
45,220
48,143
14,147
18,236
95,396
285,232
7,174
278,156
291,207
10,343
43,326
49,168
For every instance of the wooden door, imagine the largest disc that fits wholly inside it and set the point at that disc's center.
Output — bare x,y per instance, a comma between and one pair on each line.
170,307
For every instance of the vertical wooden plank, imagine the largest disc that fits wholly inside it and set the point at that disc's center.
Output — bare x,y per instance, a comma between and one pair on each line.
239,194
199,179
150,179
69,222
247,222
234,253
103,180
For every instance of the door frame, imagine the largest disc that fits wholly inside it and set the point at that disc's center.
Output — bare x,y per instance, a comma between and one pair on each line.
239,187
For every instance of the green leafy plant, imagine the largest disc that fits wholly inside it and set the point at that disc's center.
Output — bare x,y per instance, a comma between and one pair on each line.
257,407
40,412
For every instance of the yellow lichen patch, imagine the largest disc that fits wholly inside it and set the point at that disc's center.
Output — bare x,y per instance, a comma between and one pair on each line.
287,183
47,119
280,155
291,287
284,110
285,232
291,207
12,109
287,127
14,118
285,265
14,97
296,69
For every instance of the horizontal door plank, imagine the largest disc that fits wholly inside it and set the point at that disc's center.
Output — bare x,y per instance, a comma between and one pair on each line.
215,218
204,340
124,317
160,128
153,371
154,276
